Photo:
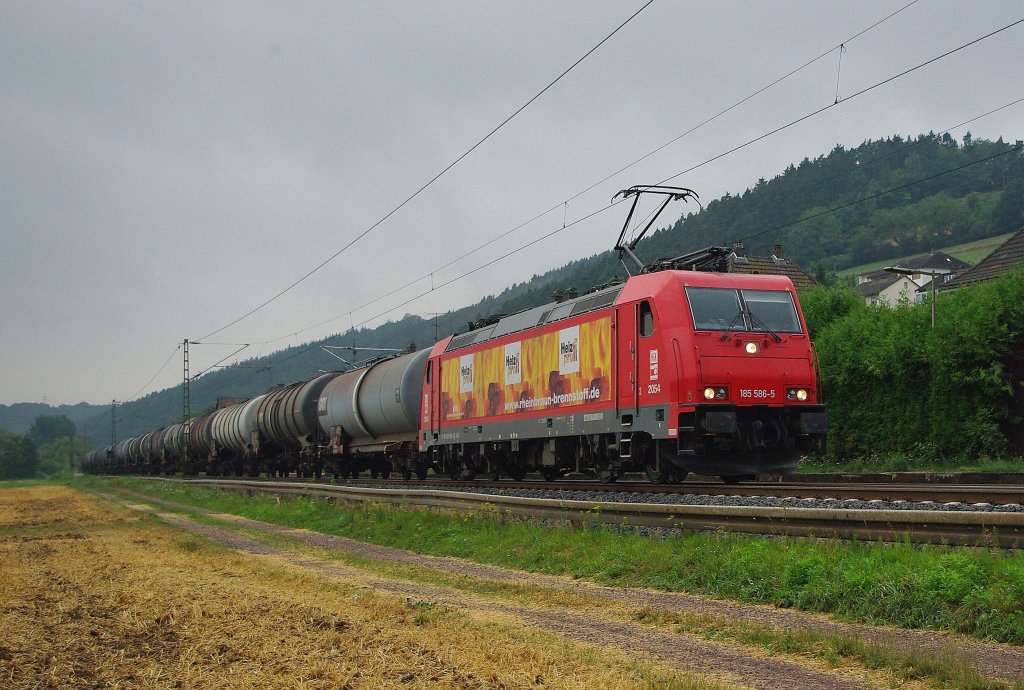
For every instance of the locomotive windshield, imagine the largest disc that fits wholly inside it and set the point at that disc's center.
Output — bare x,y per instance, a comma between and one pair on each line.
727,309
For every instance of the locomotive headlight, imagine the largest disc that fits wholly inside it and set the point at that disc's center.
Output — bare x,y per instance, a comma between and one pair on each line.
801,395
752,348
797,394
709,393
721,394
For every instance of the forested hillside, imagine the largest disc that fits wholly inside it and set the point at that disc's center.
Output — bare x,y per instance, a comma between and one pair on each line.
882,199
17,418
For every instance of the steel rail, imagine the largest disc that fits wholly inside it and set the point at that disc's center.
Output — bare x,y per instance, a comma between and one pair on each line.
919,526
993,494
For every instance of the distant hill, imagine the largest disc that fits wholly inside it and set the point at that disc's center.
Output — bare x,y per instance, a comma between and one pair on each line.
17,418
879,201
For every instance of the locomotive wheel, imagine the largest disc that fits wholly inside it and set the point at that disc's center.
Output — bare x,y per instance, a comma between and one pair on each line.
604,472
737,478
550,474
656,476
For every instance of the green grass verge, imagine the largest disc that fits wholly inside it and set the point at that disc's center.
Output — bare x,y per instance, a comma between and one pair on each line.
971,591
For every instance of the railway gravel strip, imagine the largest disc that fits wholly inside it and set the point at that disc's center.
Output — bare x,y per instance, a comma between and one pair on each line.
991,659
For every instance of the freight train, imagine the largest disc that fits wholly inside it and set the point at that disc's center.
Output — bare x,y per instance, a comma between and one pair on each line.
675,370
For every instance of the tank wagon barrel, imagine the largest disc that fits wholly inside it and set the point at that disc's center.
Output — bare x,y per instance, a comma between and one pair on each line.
232,429
374,411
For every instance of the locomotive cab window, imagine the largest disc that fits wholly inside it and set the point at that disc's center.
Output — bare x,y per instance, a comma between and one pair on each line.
646,320
715,309
430,369
727,309
771,309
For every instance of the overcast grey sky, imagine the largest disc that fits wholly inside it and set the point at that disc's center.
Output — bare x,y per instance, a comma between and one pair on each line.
165,167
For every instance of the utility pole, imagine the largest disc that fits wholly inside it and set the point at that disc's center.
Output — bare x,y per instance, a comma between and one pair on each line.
911,271
113,423
186,402
435,314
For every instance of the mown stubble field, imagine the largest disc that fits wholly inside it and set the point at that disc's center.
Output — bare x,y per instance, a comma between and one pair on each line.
96,596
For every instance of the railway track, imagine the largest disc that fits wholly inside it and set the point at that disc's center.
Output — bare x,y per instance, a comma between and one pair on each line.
990,494
1003,529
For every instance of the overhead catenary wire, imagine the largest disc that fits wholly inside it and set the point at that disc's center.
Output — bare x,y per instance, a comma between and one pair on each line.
845,100
884,192
740,102
220,361
690,169
153,377
564,204
719,156
414,298
544,237
451,165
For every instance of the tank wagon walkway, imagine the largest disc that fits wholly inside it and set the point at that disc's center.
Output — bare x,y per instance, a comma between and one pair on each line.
579,610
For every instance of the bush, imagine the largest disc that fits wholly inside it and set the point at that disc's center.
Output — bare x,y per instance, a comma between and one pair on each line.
895,385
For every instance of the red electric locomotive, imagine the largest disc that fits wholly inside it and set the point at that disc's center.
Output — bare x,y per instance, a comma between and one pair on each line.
671,372
674,371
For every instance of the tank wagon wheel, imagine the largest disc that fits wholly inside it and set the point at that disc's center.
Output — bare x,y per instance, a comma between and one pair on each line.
406,474
517,472
550,474
421,471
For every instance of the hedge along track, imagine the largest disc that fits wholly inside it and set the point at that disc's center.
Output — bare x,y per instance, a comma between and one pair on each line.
1004,529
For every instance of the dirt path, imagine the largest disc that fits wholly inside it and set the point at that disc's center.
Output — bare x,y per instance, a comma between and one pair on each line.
991,659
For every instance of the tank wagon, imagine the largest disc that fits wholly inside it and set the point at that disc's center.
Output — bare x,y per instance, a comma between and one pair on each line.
289,434
372,417
675,370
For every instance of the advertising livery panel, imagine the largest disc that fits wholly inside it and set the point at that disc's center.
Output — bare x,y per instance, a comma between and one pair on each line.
562,368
